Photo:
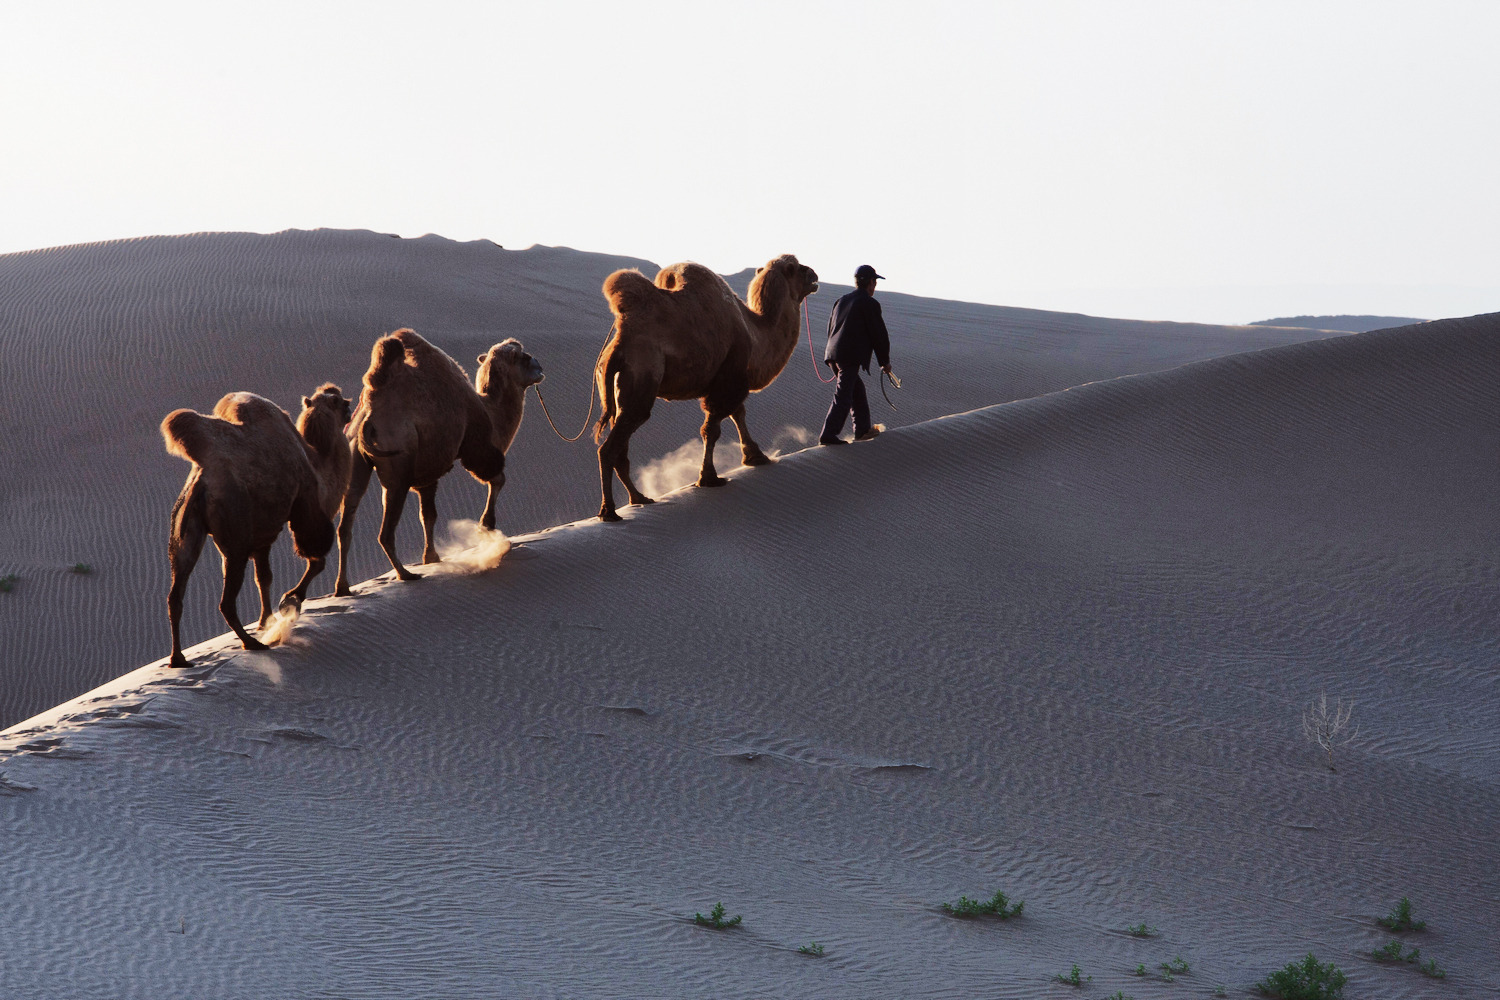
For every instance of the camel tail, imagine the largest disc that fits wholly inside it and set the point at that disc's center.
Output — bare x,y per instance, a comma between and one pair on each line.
389,352
607,392
188,435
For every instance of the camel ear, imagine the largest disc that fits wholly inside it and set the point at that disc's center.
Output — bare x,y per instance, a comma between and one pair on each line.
306,402
481,358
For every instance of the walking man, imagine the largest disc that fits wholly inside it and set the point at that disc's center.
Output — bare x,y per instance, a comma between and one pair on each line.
855,331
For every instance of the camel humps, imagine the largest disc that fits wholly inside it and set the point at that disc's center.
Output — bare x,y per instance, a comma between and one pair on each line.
688,336
254,471
417,416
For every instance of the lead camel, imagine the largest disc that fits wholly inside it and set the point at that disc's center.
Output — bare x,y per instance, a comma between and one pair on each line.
688,336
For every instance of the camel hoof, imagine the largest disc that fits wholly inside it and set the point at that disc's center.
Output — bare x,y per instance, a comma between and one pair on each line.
641,500
407,576
180,662
289,600
428,560
715,481
254,645
343,590
759,458
609,517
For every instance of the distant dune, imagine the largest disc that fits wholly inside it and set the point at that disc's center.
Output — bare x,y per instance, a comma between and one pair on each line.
102,341
1340,324
1055,647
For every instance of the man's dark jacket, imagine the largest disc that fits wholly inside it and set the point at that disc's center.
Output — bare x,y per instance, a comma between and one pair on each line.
855,330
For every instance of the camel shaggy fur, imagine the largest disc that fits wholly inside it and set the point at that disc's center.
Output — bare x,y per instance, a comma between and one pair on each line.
417,416
254,471
688,336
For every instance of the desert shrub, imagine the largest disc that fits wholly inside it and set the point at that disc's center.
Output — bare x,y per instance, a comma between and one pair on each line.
1328,729
1141,930
1392,953
1430,968
1308,979
715,919
7,582
997,906
1178,965
1074,978
814,949
1400,918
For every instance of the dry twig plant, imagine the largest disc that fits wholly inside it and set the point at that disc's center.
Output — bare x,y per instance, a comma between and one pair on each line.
1329,729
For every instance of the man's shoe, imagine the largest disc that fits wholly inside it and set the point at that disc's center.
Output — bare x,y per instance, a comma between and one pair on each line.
826,441
871,434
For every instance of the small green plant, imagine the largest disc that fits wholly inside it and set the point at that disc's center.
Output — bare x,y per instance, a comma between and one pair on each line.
1308,979
82,569
1178,965
1119,995
1392,953
1141,930
1140,970
1431,968
814,949
997,906
1074,978
715,919
1167,977
1221,991
1400,918
7,582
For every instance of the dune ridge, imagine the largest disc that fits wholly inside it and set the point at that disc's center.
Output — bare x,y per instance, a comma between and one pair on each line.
1056,647
101,341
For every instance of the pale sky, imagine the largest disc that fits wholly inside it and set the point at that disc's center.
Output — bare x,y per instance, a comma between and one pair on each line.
1210,161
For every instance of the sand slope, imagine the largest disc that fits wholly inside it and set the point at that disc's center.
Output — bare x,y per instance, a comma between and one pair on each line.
99,342
1056,647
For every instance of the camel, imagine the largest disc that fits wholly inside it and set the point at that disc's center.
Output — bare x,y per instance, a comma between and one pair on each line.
254,471
418,414
688,336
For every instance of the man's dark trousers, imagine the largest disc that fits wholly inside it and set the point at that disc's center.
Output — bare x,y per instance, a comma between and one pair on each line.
848,394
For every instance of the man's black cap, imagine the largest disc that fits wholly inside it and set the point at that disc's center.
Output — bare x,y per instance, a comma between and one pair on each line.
864,272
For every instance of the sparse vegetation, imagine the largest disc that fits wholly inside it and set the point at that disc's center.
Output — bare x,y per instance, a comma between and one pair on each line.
82,569
1400,918
1141,930
1392,953
1178,966
1140,970
1074,978
1221,990
814,949
1431,968
1119,995
7,582
997,906
1308,979
715,919
1329,729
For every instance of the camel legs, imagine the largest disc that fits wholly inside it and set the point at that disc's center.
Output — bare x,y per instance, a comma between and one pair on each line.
614,460
427,507
359,481
298,594
496,484
395,501
183,548
750,453
707,476
234,578
263,583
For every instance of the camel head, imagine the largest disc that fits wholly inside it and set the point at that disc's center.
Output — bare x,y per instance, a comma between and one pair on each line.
508,361
327,402
783,276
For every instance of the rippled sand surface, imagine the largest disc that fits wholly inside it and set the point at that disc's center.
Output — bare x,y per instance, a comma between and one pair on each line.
1056,647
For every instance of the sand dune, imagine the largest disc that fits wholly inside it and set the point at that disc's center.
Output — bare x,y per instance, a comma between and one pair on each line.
101,341
1056,647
